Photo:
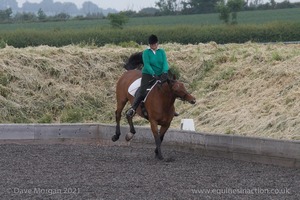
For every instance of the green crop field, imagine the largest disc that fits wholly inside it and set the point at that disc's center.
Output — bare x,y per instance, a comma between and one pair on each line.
245,17
258,26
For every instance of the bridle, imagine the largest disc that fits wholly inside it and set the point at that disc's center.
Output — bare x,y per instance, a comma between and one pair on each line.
171,84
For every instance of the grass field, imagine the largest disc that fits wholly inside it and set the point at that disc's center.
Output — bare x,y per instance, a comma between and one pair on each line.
246,17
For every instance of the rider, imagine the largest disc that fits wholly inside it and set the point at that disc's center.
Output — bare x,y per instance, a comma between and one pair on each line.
155,66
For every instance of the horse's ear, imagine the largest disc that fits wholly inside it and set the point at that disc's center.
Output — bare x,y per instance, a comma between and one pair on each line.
171,76
174,77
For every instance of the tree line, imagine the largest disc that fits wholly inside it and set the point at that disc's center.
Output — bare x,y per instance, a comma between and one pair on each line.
175,7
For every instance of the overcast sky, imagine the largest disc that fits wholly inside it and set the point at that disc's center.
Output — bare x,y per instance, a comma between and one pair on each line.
119,5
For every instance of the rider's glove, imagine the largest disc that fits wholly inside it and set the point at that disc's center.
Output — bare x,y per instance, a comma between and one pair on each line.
156,77
164,77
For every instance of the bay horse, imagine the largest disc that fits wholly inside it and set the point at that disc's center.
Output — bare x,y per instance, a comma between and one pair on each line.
159,103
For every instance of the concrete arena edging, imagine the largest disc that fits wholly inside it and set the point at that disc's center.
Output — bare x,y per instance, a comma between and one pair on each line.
252,149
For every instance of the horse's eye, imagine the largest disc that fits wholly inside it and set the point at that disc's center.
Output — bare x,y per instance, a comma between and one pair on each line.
177,87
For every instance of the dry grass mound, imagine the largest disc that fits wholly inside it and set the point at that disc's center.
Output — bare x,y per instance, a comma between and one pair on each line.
247,89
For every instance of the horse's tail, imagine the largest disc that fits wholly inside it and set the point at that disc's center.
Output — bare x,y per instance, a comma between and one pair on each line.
135,61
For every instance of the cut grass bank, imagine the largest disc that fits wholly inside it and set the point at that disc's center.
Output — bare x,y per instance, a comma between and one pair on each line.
247,89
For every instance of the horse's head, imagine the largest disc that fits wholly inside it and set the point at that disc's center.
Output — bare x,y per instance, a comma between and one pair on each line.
180,91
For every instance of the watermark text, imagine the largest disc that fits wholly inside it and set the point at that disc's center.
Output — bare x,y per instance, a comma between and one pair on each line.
46,191
250,191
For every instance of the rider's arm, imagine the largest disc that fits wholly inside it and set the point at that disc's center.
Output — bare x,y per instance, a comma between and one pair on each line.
165,62
147,67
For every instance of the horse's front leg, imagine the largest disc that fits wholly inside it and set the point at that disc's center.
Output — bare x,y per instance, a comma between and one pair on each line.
157,151
157,139
163,130
161,135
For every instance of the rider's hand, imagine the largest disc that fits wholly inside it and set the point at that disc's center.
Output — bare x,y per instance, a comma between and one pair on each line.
156,77
164,77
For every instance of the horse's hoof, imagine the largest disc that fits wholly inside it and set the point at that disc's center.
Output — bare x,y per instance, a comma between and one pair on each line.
129,136
115,138
169,160
159,157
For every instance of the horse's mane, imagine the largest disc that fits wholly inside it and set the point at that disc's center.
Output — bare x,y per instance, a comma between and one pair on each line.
135,61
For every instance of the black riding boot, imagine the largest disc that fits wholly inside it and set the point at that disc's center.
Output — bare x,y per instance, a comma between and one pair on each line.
135,105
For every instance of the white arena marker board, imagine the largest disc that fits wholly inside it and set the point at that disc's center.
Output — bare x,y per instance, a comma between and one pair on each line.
187,125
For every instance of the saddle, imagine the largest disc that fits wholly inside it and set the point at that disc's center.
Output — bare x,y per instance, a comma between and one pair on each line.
133,90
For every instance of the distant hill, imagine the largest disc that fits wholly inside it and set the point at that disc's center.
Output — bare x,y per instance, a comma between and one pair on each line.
52,8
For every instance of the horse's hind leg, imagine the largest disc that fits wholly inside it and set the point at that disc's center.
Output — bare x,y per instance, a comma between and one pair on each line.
118,130
130,135
118,115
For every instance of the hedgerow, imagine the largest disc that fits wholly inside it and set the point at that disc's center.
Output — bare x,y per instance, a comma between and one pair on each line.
271,32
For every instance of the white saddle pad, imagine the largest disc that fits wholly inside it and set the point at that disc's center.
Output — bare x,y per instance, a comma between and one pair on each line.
134,86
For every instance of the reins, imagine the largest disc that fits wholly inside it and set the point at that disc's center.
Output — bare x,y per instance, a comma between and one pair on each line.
170,82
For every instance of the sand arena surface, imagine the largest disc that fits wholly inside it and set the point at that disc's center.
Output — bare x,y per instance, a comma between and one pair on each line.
247,89
91,171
